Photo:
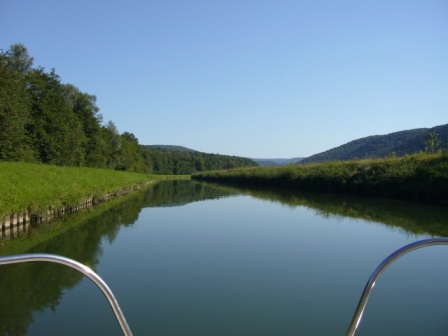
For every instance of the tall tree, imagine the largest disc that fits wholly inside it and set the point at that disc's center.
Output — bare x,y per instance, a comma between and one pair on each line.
14,113
112,144
21,61
130,157
56,132
130,137
432,142
84,106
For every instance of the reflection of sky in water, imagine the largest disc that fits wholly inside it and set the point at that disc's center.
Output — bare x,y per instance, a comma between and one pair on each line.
240,266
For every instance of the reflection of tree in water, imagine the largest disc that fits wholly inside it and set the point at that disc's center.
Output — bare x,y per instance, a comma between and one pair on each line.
413,218
34,287
171,193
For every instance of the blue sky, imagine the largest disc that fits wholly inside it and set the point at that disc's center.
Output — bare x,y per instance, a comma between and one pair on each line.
261,79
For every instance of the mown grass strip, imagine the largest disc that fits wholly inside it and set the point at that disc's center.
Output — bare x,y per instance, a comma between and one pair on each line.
421,177
37,187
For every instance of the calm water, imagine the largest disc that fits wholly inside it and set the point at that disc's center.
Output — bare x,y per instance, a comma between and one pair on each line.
185,258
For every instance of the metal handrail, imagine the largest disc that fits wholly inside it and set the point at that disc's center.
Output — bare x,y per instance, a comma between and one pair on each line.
22,258
386,262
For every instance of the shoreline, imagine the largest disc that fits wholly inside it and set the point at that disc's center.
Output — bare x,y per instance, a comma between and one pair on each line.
37,192
420,177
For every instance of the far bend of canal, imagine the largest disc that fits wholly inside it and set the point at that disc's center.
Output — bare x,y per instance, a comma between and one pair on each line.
188,258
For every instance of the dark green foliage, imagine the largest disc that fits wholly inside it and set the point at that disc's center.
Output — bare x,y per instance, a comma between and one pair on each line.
378,146
421,177
130,157
122,151
55,130
14,113
84,107
20,61
169,147
162,161
432,142
130,137
112,144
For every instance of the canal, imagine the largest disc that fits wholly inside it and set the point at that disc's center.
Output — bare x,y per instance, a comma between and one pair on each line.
190,258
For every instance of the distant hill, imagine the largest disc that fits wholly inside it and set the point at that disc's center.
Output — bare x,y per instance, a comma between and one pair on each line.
261,162
403,142
169,148
178,160
276,162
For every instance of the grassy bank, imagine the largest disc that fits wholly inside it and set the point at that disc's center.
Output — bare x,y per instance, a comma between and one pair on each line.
37,187
422,177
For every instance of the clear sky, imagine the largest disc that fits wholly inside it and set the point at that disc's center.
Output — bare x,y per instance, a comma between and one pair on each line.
260,79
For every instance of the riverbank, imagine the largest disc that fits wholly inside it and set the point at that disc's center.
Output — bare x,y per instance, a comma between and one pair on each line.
420,177
38,188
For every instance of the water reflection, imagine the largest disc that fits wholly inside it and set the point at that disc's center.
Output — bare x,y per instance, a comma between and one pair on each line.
29,288
178,193
410,217
34,287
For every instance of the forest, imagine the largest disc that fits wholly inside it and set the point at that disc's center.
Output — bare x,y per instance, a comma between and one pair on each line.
166,161
43,120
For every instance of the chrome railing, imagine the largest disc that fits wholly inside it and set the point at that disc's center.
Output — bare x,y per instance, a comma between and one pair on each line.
22,258
376,274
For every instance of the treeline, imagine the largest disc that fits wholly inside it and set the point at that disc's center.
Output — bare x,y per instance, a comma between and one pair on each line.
45,121
162,161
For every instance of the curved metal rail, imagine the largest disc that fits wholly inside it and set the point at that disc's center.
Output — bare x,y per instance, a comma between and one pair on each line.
386,262
22,258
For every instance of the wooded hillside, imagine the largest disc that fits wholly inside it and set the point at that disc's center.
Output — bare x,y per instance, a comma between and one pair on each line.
378,146
170,161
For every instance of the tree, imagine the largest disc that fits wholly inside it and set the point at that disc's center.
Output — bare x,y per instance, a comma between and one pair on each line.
20,60
130,137
14,113
112,145
131,159
55,131
432,142
84,107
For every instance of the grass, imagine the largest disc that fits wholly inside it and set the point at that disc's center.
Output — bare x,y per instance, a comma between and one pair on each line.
37,187
421,177
40,234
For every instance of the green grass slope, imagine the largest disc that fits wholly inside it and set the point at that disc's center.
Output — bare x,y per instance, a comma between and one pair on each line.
37,187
